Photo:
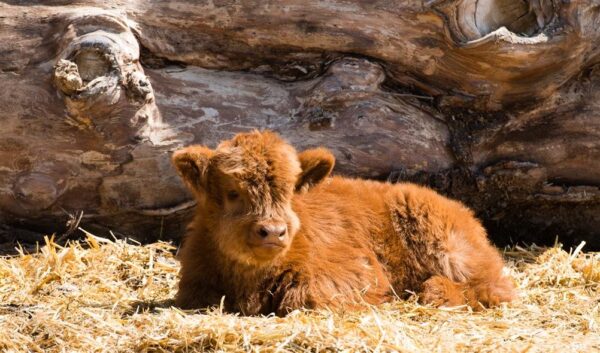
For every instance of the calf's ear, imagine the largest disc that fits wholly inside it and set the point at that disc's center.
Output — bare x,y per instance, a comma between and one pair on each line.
191,164
316,165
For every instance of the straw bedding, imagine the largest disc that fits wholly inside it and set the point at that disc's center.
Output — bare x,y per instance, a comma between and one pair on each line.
113,296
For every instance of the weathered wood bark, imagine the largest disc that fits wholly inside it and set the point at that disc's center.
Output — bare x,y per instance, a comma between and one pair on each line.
494,102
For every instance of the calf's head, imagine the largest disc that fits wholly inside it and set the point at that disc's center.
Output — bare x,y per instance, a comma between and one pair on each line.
245,187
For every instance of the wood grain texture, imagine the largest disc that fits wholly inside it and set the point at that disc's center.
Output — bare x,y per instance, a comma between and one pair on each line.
490,101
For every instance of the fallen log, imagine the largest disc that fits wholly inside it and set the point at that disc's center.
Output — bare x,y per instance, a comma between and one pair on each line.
490,101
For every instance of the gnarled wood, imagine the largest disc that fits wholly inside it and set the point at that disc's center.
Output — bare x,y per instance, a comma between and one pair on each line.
490,101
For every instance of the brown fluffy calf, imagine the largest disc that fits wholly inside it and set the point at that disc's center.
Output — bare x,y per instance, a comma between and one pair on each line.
273,232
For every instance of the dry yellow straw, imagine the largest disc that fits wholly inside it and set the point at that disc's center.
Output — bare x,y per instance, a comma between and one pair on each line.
114,297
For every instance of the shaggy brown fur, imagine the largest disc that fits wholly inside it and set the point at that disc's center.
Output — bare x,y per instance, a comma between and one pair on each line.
273,232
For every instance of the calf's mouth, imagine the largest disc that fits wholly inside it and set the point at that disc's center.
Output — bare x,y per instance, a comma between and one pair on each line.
277,243
266,249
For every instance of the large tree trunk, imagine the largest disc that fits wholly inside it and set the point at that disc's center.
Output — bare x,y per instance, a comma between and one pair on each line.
495,102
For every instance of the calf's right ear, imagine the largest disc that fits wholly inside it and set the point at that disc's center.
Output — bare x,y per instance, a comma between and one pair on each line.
191,164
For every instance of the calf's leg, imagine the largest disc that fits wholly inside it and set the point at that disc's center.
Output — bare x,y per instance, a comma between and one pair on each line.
445,252
442,291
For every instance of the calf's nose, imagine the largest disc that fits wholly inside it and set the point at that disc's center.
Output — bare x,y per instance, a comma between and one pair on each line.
272,230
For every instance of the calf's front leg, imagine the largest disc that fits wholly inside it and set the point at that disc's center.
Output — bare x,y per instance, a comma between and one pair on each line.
194,294
290,291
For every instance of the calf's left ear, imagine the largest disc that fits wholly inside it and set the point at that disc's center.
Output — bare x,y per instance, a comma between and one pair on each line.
191,164
316,164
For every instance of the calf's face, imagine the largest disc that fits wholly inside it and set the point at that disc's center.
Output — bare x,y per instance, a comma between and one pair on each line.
244,189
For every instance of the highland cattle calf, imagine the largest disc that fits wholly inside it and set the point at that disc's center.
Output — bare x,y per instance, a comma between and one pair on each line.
274,232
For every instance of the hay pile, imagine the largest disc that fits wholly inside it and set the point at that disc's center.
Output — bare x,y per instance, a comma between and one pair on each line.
92,299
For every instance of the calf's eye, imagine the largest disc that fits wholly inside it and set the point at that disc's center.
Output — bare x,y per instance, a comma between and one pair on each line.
233,195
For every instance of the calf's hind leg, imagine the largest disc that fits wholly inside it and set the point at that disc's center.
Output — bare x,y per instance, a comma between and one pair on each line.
448,247
442,291
471,273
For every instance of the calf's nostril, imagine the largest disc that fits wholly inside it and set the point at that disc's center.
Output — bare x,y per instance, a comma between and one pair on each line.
263,232
272,230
